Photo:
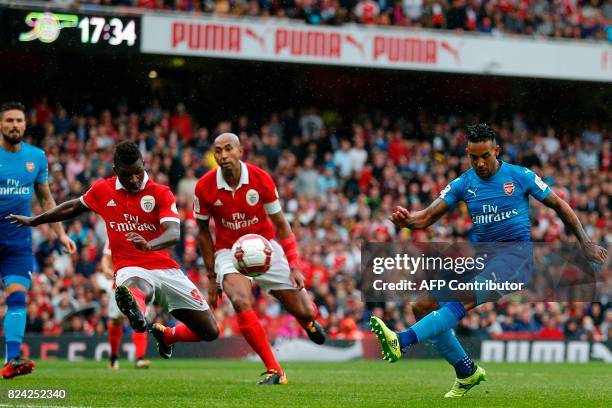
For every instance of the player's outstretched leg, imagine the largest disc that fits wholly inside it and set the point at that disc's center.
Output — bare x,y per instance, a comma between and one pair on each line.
196,326
132,297
298,303
427,328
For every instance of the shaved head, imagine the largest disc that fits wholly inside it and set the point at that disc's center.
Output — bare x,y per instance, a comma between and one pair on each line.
227,138
228,153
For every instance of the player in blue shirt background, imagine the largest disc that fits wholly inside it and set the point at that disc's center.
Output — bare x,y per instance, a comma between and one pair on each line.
23,169
497,197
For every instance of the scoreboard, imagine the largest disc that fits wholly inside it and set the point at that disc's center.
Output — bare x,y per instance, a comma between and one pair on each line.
53,30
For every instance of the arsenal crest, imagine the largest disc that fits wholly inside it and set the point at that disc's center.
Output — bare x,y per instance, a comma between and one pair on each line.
30,166
509,188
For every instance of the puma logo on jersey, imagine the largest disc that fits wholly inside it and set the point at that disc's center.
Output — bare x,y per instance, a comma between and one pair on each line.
218,203
111,203
472,191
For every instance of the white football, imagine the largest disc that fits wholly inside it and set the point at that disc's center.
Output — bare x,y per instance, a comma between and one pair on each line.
252,255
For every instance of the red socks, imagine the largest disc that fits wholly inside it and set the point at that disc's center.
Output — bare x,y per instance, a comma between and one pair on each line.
140,343
255,335
115,333
140,299
180,333
305,324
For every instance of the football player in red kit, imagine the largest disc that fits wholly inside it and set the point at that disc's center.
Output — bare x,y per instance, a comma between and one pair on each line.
242,199
142,221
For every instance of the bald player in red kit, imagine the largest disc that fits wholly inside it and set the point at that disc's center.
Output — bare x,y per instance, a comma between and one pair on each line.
142,221
242,199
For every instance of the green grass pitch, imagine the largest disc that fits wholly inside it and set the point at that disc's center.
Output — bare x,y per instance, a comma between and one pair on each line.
224,383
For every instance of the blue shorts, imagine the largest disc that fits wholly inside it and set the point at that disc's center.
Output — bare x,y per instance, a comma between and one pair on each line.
16,265
512,263
504,262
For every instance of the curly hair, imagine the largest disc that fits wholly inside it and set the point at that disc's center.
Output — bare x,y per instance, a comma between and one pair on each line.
126,153
480,133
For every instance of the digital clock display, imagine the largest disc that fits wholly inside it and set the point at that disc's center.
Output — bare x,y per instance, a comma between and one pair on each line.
94,29
71,29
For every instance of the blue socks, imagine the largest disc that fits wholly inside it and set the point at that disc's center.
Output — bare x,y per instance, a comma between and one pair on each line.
464,367
407,338
14,323
432,328
449,347
435,323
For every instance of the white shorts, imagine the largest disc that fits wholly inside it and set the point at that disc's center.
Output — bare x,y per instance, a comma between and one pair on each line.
277,277
173,290
113,309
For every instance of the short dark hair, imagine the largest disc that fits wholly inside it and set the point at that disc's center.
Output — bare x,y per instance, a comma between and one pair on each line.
480,133
12,106
126,153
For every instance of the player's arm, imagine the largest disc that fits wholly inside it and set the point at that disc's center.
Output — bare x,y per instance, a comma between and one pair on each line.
402,218
62,212
106,263
591,251
45,198
205,243
170,237
289,244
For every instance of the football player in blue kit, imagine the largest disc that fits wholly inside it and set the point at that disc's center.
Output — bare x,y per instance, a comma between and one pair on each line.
497,197
23,170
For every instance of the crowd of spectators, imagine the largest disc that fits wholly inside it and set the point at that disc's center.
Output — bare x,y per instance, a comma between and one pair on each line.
338,179
581,19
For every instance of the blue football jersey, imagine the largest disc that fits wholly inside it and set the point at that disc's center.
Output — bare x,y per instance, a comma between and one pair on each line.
499,205
19,173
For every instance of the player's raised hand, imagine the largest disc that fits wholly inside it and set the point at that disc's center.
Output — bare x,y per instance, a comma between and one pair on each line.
400,217
594,253
214,292
20,220
297,279
68,243
138,241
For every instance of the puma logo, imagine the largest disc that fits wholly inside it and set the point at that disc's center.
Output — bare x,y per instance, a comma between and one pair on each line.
258,38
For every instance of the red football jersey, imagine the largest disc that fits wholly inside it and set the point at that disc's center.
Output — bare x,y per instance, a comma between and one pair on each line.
141,212
239,212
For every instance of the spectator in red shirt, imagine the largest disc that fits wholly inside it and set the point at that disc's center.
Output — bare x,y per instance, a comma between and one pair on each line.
550,331
181,123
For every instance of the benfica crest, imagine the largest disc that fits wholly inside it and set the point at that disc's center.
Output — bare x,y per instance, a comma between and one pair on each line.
509,188
30,166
